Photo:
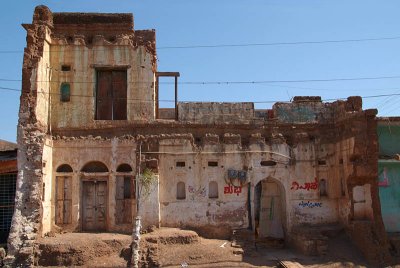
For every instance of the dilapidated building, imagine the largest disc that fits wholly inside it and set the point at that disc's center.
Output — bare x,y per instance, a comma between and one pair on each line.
8,178
95,149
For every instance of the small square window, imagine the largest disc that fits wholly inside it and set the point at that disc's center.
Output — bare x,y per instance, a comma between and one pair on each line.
180,164
65,92
65,68
212,163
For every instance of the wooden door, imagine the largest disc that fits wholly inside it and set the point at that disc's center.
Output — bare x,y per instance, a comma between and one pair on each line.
271,211
94,206
64,200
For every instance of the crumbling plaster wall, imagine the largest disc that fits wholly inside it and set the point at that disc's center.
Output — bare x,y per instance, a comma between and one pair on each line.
47,187
295,166
212,112
32,126
79,151
84,60
197,209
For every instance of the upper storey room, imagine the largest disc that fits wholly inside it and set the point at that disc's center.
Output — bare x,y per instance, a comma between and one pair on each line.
89,69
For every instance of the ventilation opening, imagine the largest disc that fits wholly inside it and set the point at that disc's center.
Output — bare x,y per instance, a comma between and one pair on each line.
124,168
94,166
180,191
212,163
267,163
65,68
180,164
64,168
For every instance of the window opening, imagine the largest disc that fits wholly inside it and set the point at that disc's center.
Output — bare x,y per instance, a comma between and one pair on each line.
94,166
7,197
65,92
111,95
180,191
267,163
124,168
64,168
125,194
65,68
322,188
212,163
180,164
213,189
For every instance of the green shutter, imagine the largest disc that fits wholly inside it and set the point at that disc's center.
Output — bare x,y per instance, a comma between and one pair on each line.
65,91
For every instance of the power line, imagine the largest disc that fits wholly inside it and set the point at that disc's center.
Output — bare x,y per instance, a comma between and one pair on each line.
283,43
270,101
228,82
315,42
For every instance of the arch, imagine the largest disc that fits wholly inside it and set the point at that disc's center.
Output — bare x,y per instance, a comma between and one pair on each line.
270,209
94,166
124,168
64,168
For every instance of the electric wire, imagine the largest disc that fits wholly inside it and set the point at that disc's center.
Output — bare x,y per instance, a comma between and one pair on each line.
294,43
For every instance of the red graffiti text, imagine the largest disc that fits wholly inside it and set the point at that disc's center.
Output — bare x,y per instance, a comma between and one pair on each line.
230,189
307,185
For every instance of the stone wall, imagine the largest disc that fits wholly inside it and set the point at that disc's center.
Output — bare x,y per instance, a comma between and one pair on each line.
212,112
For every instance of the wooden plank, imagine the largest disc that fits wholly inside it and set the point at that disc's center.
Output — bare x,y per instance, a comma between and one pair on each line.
158,74
101,206
119,84
104,95
59,199
67,206
120,187
127,211
59,212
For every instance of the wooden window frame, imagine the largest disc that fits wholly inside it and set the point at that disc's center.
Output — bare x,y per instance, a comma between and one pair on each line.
111,101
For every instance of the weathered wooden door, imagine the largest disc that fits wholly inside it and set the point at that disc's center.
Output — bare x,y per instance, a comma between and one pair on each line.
94,205
64,200
271,211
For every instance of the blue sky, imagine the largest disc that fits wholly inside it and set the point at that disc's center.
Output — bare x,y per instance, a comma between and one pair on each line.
210,22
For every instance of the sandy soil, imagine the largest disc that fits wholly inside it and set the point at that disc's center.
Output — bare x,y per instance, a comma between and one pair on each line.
170,247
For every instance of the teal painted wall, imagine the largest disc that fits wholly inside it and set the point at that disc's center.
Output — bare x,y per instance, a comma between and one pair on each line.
389,139
389,174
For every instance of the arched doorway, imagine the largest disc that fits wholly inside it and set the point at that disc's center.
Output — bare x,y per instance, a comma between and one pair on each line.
269,209
94,196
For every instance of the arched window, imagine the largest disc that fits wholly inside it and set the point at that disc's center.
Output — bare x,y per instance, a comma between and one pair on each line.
322,188
64,168
124,168
212,189
94,166
180,191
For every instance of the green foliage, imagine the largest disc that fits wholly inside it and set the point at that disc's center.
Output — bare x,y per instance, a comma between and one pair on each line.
147,179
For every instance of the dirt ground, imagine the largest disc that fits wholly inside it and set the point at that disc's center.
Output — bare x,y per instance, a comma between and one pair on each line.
170,247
